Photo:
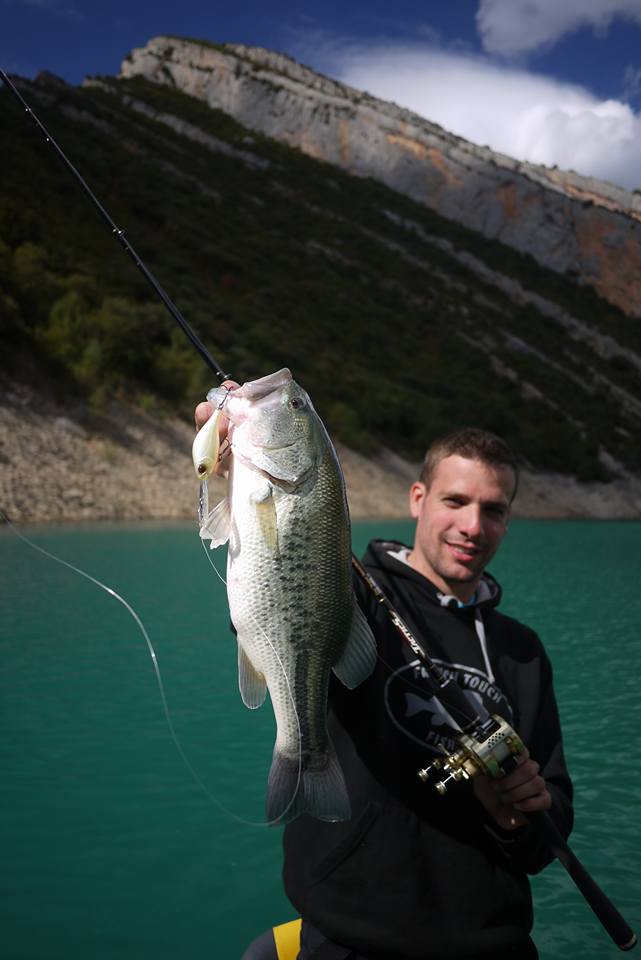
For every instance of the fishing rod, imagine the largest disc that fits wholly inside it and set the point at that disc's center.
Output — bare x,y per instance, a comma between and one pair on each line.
120,236
488,745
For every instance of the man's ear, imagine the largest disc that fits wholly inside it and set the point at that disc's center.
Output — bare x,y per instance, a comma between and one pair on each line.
418,492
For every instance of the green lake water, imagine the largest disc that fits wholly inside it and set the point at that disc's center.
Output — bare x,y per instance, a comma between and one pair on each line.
109,849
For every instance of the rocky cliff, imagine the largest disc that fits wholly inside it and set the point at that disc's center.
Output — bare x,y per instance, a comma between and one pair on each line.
568,223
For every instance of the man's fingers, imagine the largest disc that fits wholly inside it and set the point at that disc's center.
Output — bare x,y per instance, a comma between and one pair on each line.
524,788
525,791
542,802
525,770
202,413
204,410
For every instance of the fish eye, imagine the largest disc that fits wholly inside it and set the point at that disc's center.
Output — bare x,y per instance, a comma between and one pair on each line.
297,403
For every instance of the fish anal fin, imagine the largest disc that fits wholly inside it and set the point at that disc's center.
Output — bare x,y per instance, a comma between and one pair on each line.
217,524
251,682
359,655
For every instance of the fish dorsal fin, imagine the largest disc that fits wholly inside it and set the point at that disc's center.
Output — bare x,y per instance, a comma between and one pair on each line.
251,683
359,656
217,524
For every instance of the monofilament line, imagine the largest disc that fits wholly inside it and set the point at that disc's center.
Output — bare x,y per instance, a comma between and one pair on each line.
152,653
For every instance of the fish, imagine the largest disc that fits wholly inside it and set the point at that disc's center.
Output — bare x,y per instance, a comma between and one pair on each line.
289,583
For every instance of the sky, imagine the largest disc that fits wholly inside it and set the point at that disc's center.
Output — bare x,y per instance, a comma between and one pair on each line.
550,81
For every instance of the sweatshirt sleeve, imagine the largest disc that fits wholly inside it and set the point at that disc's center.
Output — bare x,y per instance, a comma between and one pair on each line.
537,722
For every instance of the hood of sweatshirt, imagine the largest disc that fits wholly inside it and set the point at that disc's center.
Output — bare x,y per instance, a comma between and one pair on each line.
453,635
390,556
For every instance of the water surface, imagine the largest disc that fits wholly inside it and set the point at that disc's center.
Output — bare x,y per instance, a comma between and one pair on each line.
109,848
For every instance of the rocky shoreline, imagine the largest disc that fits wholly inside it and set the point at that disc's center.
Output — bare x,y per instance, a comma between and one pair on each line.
60,465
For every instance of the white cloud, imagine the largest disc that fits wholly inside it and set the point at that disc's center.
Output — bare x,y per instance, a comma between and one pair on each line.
513,27
632,82
528,117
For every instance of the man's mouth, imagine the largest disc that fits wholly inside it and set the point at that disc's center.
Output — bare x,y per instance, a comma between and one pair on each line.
465,551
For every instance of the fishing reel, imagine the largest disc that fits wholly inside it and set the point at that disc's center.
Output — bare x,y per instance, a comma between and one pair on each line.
490,749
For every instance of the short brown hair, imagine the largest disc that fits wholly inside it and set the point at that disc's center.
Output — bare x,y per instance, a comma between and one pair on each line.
473,444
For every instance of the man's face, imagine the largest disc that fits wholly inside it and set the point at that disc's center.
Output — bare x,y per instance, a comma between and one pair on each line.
461,519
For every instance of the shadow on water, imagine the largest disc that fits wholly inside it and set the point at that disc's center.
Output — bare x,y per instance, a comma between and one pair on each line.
112,851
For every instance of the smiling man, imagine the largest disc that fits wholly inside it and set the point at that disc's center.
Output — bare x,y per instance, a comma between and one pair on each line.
414,874
461,505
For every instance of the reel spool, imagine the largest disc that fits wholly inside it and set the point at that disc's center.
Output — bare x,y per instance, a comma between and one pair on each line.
490,750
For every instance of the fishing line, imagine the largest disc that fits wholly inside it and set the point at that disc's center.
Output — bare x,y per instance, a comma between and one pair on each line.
211,363
154,659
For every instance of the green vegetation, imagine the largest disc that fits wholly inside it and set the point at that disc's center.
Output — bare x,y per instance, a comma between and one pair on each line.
287,262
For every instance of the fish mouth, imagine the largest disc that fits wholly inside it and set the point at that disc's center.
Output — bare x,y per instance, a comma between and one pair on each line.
257,389
251,391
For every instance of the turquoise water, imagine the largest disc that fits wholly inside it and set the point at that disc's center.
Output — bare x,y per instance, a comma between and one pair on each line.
109,848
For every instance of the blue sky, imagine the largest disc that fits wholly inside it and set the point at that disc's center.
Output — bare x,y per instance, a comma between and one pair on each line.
552,81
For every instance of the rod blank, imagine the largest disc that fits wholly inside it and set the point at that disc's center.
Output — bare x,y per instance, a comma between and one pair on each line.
120,236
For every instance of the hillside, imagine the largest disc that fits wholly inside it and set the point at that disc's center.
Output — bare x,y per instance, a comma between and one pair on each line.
569,223
399,322
59,462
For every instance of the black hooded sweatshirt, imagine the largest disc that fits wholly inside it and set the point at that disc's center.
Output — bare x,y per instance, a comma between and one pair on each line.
413,873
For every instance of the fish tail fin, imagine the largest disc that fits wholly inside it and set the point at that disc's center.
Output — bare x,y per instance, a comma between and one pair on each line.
317,788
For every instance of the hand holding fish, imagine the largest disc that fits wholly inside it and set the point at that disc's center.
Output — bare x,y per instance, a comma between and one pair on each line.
202,414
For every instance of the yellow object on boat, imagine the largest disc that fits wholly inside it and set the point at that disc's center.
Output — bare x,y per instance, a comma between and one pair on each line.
287,939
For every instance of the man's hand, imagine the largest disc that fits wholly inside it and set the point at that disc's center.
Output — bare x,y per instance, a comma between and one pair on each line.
509,798
202,413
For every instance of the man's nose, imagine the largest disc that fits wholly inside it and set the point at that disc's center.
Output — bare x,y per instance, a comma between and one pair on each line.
471,520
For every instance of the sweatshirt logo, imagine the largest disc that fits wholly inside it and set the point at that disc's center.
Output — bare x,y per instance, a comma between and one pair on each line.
417,713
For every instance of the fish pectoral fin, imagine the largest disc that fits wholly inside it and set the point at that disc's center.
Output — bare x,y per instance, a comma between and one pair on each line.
251,683
281,469
217,524
267,519
359,656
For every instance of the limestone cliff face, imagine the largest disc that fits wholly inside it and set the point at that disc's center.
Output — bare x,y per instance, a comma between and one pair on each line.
566,222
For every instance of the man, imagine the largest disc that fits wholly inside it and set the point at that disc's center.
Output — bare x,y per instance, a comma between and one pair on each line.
415,874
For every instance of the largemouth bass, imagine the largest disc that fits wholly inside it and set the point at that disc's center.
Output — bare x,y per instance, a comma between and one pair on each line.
289,583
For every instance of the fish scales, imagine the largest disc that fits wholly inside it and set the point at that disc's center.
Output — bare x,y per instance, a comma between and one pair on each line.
289,586
305,600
